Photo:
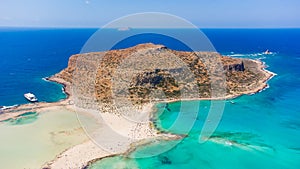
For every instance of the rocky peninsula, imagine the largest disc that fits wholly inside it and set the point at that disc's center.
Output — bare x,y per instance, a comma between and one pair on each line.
97,73
96,81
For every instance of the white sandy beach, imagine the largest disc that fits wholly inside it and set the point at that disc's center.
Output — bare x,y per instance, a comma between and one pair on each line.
114,135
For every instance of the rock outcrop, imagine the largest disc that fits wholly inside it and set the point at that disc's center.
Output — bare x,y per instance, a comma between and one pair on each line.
154,72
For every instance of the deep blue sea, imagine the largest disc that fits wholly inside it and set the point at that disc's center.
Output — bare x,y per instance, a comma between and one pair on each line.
29,55
264,128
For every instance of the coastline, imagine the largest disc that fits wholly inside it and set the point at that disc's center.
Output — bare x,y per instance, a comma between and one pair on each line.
81,155
263,85
18,110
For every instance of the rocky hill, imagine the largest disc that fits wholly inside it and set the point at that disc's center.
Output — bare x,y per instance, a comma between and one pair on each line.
154,72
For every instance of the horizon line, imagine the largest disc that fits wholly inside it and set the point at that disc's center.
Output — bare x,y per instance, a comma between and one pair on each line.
90,27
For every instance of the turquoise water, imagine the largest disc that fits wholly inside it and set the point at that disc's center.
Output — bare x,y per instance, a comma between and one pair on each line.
25,118
256,131
264,133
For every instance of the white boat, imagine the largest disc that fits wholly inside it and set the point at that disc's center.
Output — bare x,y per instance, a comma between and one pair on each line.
267,52
31,97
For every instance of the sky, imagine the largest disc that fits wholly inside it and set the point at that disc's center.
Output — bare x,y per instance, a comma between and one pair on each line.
202,13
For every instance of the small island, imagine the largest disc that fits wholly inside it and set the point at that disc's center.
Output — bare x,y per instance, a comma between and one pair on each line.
91,78
240,76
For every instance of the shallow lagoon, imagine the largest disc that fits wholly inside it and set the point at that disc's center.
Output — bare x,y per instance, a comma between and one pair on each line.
33,139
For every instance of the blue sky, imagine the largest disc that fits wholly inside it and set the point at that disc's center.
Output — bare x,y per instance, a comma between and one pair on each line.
203,13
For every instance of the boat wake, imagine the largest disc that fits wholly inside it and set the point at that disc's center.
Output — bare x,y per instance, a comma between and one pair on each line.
257,56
